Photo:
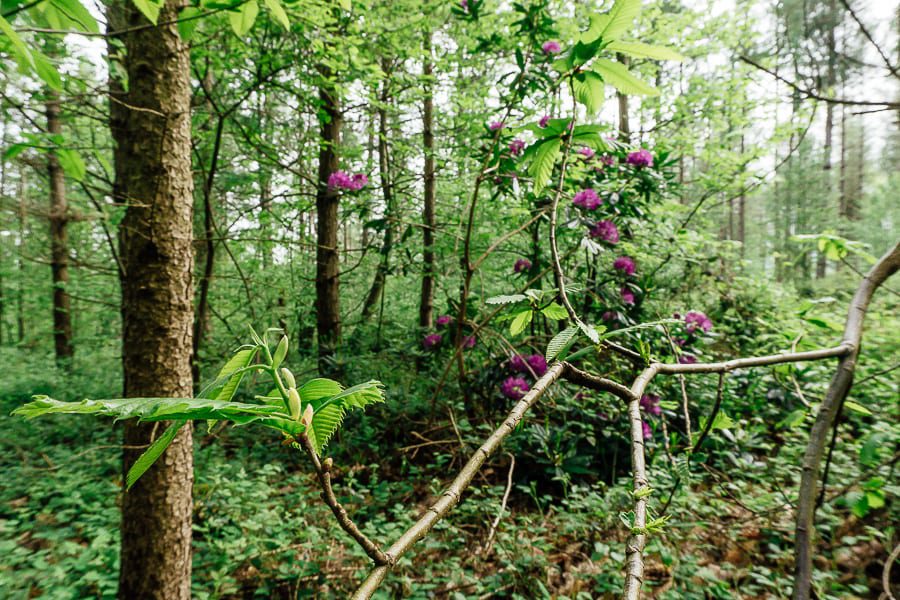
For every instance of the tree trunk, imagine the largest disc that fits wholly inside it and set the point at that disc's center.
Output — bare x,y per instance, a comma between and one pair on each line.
426,300
59,243
151,126
742,213
624,126
328,266
20,267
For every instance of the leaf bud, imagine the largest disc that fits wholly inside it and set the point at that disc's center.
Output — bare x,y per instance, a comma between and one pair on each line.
280,352
307,417
288,377
294,403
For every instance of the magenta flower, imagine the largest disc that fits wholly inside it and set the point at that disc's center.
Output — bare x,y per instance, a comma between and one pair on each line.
516,146
627,296
648,432
341,180
443,320
464,4
543,122
522,265
641,158
514,388
359,181
606,231
624,264
495,125
432,340
687,359
587,199
468,342
611,315
650,404
537,363
607,160
551,47
695,319
518,363
586,152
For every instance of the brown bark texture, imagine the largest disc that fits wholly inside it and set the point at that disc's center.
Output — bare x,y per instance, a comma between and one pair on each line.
151,127
426,301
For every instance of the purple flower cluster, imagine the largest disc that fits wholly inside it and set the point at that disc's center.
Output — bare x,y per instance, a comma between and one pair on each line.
514,388
432,340
647,430
695,320
625,264
543,122
468,342
587,199
650,404
586,152
607,160
527,364
687,359
551,47
640,158
606,231
522,265
627,296
443,320
341,180
516,147
495,125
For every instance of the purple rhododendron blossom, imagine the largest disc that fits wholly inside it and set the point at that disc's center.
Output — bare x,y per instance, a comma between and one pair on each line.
606,231
641,158
443,320
687,359
694,320
495,125
537,363
464,4
514,388
359,181
611,315
607,160
650,403
587,199
551,47
518,364
432,340
647,430
516,146
624,264
627,295
522,265
586,152
543,122
341,180
468,342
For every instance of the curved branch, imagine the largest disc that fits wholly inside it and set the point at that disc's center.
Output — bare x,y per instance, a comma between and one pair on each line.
886,266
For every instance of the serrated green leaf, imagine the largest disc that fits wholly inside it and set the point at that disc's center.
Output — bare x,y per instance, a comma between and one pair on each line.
156,449
588,89
71,163
555,311
242,20
521,321
560,341
590,331
541,167
511,299
641,50
230,375
75,13
620,18
618,76
278,12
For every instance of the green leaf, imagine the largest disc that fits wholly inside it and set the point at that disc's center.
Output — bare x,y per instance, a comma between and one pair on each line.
71,163
187,22
156,449
31,59
512,299
244,18
590,331
588,88
855,407
330,403
618,76
597,24
278,12
542,166
520,322
641,50
345,4
280,352
76,13
229,378
149,8
555,311
620,18
560,341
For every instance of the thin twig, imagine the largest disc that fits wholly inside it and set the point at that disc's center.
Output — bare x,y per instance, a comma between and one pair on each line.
509,481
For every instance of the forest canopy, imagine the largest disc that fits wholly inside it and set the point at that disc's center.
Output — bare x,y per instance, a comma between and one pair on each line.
466,299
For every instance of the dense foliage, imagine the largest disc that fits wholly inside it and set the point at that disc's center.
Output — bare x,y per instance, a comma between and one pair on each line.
513,184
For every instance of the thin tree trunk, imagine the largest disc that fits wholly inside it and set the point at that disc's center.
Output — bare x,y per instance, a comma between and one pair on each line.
328,267
151,126
20,295
624,126
59,243
426,299
742,214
